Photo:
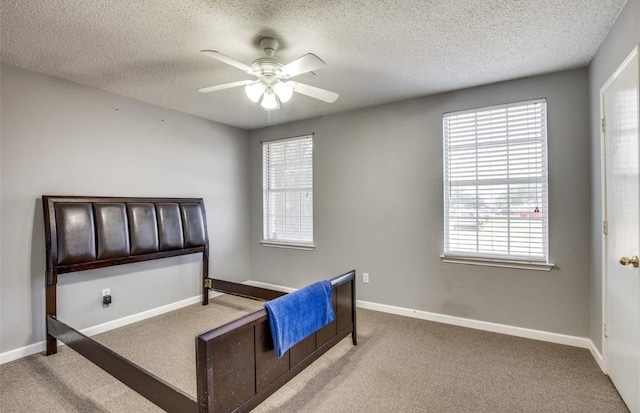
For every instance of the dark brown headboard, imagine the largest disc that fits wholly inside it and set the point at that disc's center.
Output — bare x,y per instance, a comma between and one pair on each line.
92,232
84,233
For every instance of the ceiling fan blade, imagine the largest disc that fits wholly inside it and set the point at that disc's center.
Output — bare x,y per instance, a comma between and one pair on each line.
315,92
226,86
226,59
303,64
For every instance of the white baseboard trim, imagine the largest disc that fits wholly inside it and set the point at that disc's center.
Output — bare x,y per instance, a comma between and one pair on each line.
21,352
581,342
574,341
121,322
597,356
479,325
39,347
269,286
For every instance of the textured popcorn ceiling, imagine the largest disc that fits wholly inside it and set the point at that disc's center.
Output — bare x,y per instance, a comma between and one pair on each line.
376,51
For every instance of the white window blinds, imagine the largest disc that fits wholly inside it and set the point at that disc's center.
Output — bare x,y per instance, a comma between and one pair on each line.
288,190
495,182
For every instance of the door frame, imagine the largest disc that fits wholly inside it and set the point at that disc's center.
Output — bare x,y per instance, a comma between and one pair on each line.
603,185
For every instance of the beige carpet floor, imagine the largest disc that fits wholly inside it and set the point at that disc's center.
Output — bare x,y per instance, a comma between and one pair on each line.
400,365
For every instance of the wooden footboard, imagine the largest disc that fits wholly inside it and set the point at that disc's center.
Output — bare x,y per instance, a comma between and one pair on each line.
236,366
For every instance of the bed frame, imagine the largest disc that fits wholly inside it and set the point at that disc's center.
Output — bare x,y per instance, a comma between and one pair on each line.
235,364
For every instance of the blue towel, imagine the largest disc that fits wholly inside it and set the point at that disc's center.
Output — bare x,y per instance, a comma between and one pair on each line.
295,316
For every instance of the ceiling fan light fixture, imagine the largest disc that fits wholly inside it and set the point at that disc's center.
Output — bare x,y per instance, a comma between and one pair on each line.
254,91
273,85
284,91
269,100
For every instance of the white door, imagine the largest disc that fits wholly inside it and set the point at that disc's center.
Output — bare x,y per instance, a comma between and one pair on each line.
622,208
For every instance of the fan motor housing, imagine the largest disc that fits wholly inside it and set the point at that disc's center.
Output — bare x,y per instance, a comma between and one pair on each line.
266,65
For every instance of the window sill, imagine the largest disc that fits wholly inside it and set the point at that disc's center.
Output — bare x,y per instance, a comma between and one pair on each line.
290,245
494,262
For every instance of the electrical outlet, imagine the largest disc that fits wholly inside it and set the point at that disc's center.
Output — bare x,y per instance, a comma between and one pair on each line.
365,277
106,297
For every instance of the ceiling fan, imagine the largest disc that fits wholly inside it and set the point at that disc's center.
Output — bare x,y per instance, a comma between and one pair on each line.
273,84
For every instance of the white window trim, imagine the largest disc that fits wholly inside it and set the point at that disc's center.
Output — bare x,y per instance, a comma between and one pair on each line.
283,243
290,245
494,262
510,262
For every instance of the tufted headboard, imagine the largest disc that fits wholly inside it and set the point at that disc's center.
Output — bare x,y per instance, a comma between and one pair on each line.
84,233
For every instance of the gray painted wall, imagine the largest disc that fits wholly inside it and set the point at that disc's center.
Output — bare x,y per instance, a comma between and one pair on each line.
60,138
379,206
620,41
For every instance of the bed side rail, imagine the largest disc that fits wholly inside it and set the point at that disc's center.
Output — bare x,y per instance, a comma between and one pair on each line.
237,368
149,386
242,290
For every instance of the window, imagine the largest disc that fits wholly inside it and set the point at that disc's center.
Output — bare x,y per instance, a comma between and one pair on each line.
287,185
495,184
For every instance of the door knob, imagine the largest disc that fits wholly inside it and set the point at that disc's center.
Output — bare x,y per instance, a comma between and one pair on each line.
633,260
